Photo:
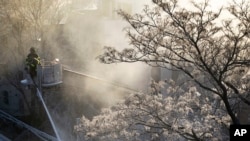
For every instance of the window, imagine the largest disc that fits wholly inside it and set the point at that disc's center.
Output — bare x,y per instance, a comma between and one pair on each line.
6,97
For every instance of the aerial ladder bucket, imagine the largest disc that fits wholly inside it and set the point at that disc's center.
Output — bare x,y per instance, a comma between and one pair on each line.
49,73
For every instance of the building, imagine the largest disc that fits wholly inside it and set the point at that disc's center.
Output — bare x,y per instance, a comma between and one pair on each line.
13,100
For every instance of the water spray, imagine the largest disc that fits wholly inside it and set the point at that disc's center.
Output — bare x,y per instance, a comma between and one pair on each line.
47,111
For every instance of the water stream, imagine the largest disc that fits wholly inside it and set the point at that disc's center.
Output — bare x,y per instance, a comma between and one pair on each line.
47,111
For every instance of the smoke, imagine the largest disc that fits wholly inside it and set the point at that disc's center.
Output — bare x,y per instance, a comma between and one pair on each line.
88,31
77,43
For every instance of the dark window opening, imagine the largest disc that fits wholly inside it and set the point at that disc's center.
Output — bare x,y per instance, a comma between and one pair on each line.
6,97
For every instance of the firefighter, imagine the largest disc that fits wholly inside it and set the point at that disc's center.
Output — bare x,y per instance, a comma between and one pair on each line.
32,61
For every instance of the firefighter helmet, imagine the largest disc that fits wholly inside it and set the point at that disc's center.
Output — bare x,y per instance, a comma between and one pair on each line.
32,49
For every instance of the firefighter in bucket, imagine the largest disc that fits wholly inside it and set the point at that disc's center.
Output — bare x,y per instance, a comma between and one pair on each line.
32,61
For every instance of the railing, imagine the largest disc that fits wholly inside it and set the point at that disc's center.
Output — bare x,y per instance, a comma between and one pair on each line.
49,73
42,135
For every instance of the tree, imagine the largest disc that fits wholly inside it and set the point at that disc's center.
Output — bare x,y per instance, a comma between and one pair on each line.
215,56
181,115
27,21
211,51
24,23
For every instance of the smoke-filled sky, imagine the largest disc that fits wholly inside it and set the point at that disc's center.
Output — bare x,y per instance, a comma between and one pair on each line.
89,33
